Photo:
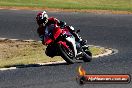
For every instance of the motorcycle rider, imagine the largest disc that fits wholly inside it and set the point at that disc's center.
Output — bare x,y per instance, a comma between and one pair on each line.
43,21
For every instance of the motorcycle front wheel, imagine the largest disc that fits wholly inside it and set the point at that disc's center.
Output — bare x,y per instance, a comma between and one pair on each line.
67,54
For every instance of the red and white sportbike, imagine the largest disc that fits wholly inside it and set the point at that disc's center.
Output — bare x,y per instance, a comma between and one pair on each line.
60,42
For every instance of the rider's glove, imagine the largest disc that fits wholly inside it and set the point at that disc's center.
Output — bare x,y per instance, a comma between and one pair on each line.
62,24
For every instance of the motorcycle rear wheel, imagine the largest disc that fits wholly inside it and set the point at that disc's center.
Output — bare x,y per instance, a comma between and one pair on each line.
87,56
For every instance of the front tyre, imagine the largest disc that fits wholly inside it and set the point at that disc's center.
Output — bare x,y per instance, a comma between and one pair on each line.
67,54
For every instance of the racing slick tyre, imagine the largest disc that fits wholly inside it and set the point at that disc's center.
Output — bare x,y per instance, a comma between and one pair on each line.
87,56
67,54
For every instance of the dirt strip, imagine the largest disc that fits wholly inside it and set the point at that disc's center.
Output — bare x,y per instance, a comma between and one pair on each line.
10,49
66,10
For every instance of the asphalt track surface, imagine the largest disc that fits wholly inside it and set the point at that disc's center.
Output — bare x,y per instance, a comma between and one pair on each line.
112,31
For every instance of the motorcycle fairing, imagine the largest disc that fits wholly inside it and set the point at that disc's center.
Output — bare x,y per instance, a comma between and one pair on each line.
56,32
47,40
71,39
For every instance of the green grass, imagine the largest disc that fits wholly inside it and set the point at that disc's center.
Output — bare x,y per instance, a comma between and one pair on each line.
23,53
72,4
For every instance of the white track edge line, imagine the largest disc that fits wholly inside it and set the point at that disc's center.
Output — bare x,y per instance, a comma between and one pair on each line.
108,52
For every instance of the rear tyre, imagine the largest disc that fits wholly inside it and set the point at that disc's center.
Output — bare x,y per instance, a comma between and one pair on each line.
87,56
88,52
